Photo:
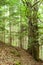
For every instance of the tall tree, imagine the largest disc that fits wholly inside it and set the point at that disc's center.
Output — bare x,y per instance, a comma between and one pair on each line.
33,45
33,32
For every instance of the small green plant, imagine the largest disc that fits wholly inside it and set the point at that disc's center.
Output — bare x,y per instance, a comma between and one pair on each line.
18,63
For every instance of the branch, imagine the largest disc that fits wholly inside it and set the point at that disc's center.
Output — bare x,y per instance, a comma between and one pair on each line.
35,3
27,3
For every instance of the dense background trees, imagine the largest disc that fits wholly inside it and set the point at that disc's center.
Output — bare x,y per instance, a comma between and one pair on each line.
21,24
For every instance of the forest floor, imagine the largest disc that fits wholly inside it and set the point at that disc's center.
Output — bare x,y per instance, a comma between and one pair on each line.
10,55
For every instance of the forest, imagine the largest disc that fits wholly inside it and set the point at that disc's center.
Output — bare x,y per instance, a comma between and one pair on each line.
21,32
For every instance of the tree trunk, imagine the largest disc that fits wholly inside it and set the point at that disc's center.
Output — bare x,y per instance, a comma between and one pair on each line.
21,31
33,33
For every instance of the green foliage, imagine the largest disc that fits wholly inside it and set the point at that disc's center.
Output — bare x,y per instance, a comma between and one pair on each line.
14,12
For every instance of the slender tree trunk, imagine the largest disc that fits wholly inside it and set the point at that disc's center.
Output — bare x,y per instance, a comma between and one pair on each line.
21,31
10,26
10,38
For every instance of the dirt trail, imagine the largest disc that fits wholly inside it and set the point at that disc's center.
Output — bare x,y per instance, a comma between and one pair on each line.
10,55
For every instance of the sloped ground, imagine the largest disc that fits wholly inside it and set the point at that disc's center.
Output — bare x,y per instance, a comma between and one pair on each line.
15,56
